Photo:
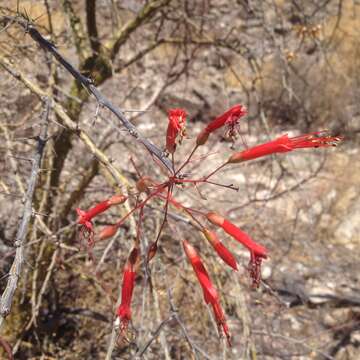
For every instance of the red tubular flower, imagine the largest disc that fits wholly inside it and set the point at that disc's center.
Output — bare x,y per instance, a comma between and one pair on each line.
210,293
177,119
85,217
257,251
285,144
219,247
229,118
124,310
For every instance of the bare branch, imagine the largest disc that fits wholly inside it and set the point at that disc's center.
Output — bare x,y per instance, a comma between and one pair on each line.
91,25
154,336
77,30
194,347
123,34
15,271
66,121
102,100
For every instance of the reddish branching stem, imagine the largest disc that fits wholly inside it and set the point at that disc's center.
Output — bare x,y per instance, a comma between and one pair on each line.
148,189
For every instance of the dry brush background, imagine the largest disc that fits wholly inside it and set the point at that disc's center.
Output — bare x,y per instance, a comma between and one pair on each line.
294,64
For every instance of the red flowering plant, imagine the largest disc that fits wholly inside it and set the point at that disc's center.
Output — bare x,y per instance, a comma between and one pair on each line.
148,189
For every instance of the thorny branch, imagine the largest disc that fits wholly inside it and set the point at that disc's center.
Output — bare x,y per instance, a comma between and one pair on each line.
15,270
122,35
263,113
71,125
102,100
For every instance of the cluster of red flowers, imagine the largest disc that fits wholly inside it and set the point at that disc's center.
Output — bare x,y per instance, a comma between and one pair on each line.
148,189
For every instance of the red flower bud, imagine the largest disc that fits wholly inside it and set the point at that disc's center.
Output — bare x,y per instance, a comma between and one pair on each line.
151,251
117,199
210,293
108,232
202,138
144,183
215,218
219,247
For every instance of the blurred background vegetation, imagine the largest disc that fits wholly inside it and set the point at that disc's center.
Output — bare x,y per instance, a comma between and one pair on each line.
294,65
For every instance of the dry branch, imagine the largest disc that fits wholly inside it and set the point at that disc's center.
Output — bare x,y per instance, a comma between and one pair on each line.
67,122
102,100
91,25
123,34
15,271
77,31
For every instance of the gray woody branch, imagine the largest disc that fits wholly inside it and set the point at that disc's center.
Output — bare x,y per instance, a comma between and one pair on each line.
16,267
102,100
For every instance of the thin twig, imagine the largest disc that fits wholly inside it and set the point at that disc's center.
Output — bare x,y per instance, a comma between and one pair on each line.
6,346
163,341
195,348
154,336
106,251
